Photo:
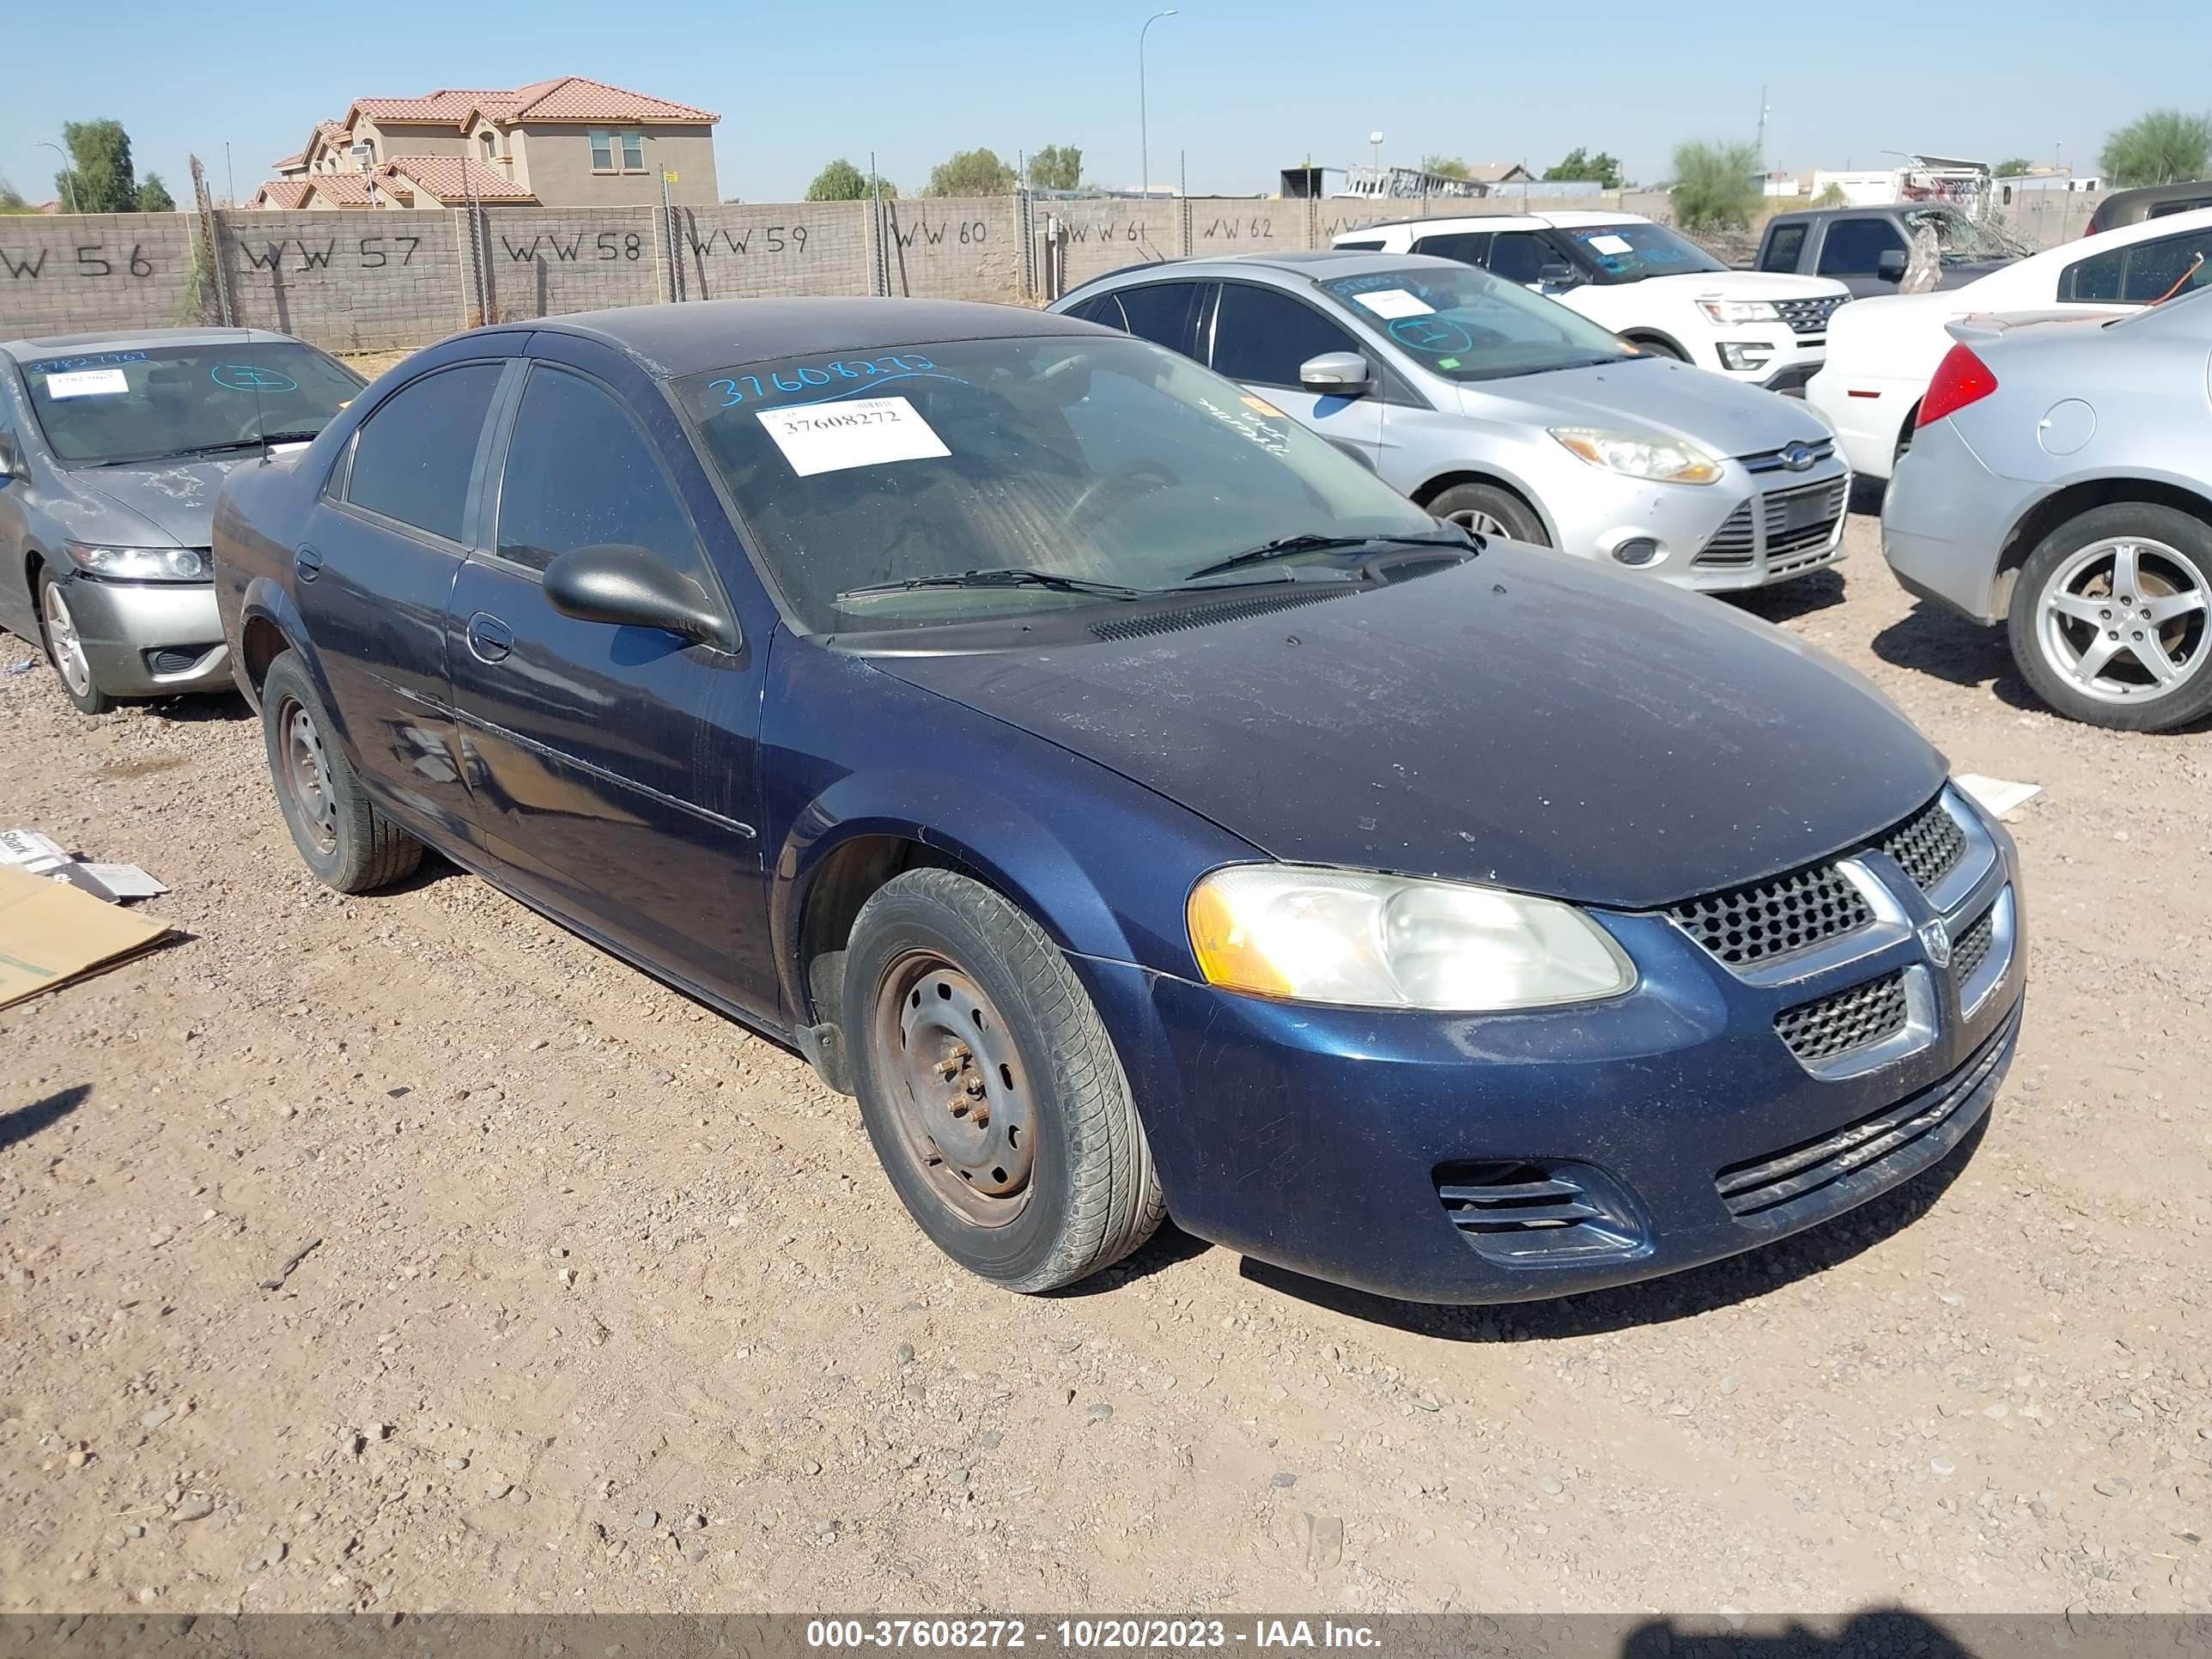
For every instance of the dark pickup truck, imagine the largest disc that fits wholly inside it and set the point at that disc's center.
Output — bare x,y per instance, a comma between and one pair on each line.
1867,249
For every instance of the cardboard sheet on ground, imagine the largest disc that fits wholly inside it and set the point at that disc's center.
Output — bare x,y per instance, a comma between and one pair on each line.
50,932
1997,795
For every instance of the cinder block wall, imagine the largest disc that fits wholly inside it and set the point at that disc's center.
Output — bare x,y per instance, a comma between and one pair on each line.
750,252
76,274
350,281
548,261
1104,236
956,248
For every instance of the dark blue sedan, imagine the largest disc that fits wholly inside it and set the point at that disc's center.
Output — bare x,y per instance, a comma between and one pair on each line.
1141,809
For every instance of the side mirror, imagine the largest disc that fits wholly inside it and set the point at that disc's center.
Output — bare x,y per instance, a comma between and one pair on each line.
629,587
1889,265
1337,374
1559,274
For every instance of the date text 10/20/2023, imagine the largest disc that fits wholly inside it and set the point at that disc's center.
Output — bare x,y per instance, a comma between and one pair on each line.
1088,1634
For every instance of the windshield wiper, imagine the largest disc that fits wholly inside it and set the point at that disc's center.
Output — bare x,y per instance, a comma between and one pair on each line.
1004,576
1286,547
190,450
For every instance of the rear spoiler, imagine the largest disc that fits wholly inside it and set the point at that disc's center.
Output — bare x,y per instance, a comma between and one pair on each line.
1980,327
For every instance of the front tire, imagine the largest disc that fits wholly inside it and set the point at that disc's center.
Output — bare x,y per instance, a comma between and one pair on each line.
1488,510
2109,618
344,840
57,632
992,1093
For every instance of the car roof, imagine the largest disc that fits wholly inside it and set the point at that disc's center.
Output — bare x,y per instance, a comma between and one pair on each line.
1567,219
2151,195
674,340
1316,264
139,339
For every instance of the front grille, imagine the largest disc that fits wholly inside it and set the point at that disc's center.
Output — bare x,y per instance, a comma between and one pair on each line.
1972,948
1522,1212
1801,1183
1770,460
1926,846
1205,615
1849,1019
1732,545
1746,925
1809,316
1783,507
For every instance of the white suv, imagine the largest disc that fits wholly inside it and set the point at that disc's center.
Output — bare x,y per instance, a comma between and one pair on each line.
1644,283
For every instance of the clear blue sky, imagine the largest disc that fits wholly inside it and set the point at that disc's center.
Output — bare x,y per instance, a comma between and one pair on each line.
1242,86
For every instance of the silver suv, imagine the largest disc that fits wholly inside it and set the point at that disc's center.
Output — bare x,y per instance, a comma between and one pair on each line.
1503,411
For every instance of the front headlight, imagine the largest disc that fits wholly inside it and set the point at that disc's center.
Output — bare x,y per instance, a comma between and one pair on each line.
1723,313
1641,454
141,564
1310,934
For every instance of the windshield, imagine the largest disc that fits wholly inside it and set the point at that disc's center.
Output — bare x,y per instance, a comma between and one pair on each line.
1958,239
1102,459
1630,250
171,400
1467,324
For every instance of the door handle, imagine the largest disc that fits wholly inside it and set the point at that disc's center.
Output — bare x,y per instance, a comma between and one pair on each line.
308,564
489,639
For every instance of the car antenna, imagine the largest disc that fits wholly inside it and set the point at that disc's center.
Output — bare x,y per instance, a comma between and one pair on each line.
260,419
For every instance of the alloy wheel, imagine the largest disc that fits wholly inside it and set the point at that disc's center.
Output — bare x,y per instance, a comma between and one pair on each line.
2123,619
965,1118
1481,523
67,647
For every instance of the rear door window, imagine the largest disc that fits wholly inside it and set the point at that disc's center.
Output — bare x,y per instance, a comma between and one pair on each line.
1785,246
1161,312
1854,248
2142,273
1469,247
413,459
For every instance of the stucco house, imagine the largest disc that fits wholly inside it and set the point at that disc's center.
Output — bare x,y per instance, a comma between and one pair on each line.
564,142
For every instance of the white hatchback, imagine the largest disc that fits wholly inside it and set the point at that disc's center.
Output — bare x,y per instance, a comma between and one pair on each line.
1655,288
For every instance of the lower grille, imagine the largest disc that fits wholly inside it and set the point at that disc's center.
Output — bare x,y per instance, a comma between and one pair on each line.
1528,1213
1803,517
1799,1183
1972,948
1732,545
1849,1019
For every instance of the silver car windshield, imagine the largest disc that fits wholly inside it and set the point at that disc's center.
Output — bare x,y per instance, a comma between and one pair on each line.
98,407
1467,324
1074,461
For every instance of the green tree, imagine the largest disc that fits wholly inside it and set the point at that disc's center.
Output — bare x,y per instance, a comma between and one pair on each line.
1715,185
841,181
1056,167
1833,196
99,179
1444,166
971,173
1579,164
2157,148
152,196
11,199
2015,166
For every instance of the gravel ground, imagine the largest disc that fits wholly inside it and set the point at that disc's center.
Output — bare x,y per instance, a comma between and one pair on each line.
612,1309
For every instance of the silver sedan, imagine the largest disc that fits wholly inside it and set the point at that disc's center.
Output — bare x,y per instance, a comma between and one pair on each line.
2060,481
1500,410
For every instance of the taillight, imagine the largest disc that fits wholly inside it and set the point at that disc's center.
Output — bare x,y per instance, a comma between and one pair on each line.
1960,378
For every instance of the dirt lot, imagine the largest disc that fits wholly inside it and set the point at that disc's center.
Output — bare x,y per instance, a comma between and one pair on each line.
613,1311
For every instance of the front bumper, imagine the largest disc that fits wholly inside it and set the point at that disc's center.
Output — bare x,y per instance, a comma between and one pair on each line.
150,639
1341,1143
1944,521
1715,539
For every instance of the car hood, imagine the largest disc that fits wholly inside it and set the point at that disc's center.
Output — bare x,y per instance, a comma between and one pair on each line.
152,503
1749,285
1523,719
1651,393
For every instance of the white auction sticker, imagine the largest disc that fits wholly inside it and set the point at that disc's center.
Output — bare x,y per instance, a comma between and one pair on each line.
1612,243
1394,303
87,383
851,432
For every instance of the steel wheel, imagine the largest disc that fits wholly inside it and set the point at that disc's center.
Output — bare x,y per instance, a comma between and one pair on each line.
959,1098
2123,619
305,775
63,640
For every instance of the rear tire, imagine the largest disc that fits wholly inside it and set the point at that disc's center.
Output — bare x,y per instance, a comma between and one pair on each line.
66,649
2078,627
1489,511
994,1097
344,840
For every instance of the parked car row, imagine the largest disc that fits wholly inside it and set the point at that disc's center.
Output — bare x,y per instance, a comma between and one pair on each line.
1098,768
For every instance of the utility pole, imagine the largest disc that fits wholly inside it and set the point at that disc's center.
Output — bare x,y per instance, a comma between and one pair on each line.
69,169
1144,132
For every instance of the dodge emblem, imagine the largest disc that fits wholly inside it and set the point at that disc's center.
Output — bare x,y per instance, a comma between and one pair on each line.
1935,939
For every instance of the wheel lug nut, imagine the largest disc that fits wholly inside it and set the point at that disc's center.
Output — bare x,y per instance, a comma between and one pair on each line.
2106,615
974,1085
947,1068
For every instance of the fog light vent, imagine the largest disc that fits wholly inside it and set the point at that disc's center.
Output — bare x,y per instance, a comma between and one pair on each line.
1637,550
1528,1214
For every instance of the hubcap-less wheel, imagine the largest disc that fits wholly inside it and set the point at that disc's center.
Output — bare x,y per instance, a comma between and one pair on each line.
962,1104
67,647
2123,619
307,776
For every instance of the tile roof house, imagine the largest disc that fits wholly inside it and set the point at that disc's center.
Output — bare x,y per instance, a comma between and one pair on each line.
568,141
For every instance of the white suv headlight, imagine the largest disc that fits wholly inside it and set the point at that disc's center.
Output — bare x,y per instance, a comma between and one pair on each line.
1723,313
1307,933
141,564
1641,454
